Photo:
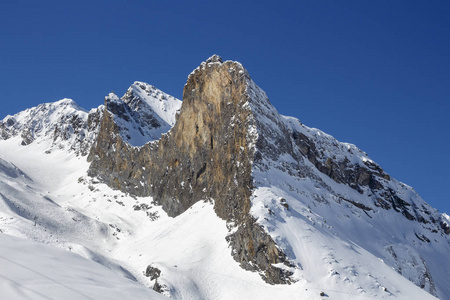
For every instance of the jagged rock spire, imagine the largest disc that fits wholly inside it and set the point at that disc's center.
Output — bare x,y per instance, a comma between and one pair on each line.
214,58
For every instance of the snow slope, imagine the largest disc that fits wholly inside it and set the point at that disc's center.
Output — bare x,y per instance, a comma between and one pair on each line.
162,104
314,218
46,197
63,122
143,113
31,270
339,241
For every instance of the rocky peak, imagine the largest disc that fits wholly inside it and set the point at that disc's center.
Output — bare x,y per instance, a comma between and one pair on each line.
143,113
142,96
225,142
214,59
207,155
291,195
62,123
195,147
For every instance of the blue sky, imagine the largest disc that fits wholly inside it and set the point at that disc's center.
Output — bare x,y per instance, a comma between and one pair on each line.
372,73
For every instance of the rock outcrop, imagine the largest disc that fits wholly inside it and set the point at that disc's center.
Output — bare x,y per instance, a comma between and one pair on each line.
226,137
207,155
269,176
63,123
346,164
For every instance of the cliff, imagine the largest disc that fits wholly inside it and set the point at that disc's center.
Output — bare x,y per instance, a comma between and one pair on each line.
266,174
207,155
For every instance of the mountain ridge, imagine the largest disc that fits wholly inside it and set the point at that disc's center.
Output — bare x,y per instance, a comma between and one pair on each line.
269,176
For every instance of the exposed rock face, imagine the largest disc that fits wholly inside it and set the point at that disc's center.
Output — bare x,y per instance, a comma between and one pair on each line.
63,122
341,171
282,187
196,159
143,113
208,154
407,261
337,161
256,251
154,273
226,137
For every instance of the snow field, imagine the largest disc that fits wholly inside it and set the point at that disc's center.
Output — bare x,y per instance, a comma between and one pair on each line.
30,270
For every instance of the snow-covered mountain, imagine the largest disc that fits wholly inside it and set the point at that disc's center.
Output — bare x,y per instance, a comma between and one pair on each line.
63,122
215,197
143,113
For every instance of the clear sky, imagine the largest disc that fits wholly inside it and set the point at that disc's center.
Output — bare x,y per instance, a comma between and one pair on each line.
372,73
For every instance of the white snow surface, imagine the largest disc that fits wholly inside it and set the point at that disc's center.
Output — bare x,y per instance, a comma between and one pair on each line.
148,113
335,247
446,217
333,243
63,122
30,270
47,198
164,105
